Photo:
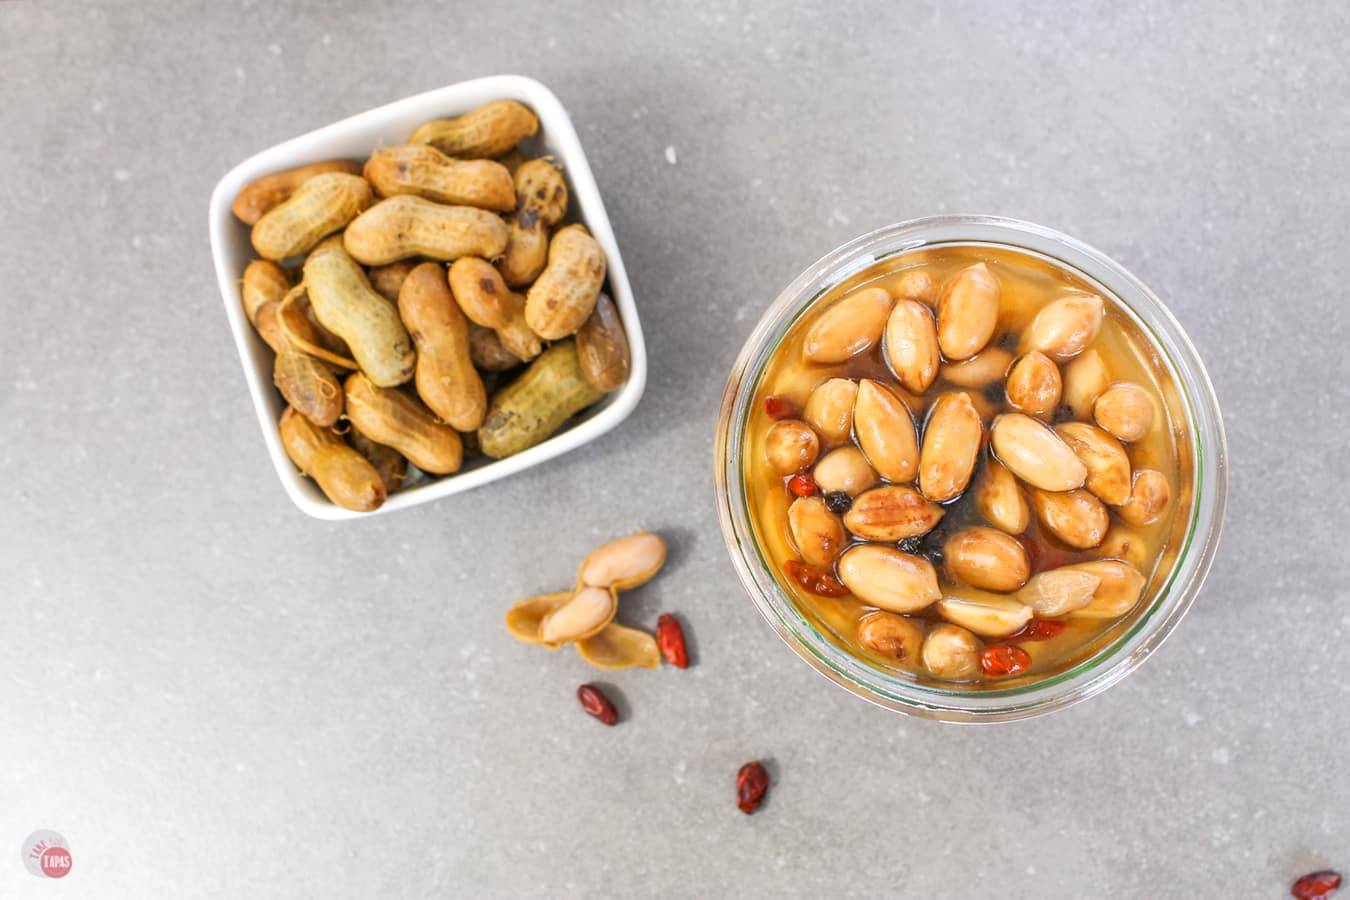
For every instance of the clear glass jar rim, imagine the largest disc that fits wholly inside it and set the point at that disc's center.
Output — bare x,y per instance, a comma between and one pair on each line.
1201,535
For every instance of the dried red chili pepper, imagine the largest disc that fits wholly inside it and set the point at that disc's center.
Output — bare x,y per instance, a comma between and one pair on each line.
1039,630
1004,659
802,485
597,704
1316,885
670,638
778,408
814,579
752,781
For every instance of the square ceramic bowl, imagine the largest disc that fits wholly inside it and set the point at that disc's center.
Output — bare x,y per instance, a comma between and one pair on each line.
356,138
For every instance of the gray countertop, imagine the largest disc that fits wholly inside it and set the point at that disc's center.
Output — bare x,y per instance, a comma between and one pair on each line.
211,695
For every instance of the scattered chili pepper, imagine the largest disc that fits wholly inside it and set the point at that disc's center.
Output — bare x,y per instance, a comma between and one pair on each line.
814,579
670,638
597,704
752,781
1039,630
838,502
1004,659
802,485
1316,885
778,408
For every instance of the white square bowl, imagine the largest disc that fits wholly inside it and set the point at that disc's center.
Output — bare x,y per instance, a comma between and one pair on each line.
356,138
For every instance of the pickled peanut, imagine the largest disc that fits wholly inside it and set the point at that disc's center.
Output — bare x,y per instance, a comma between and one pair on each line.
424,171
264,281
987,558
1124,544
951,652
1117,592
892,513
967,312
322,205
523,618
445,377
1035,454
815,530
602,347
264,194
404,226
480,292
388,462
308,386
1064,327
1057,592
912,345
829,409
1075,517
1034,386
1150,494
791,446
887,578
541,202
1125,410
516,335
490,130
348,306
393,418
563,296
625,562
531,408
989,365
619,647
844,469
1108,465
387,280
885,432
341,473
890,635
1000,499
586,614
1085,379
917,284
951,444
848,327
988,615
488,352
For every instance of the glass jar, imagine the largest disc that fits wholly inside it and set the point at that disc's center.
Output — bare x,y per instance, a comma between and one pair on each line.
1196,540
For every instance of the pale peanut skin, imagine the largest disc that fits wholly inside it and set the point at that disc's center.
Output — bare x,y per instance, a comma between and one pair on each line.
263,194
602,347
348,306
445,377
322,205
481,293
263,281
490,130
951,444
404,226
541,202
341,473
423,170
565,293
391,417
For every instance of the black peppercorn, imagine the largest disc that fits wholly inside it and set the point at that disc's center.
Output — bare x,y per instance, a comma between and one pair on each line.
838,502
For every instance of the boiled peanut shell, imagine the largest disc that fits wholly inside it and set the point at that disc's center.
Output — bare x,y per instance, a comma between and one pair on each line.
445,377
523,618
485,132
322,205
480,292
263,281
563,296
541,202
404,226
391,417
264,194
602,347
619,647
535,405
423,170
341,473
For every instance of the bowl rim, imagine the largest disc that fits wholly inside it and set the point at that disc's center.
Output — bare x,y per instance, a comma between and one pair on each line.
1178,588
557,130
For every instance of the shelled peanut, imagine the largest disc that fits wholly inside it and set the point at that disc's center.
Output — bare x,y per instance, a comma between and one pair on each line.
419,272
964,468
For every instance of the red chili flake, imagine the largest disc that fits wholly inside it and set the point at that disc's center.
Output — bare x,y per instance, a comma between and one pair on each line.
670,638
802,485
594,701
752,781
1004,659
778,408
1316,885
1039,630
814,579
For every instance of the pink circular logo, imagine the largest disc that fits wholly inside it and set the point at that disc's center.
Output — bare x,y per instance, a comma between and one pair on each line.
47,854
56,862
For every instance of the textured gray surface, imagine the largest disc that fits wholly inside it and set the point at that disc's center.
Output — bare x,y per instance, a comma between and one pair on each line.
211,695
